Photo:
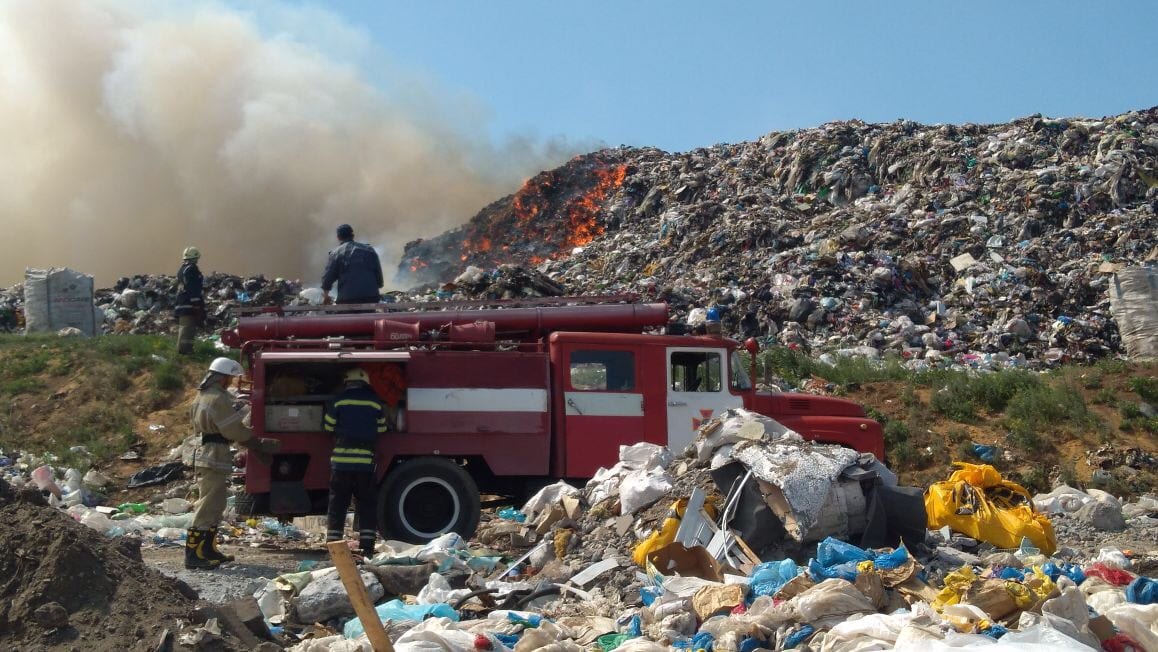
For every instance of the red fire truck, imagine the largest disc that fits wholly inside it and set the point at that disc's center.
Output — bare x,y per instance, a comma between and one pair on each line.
496,401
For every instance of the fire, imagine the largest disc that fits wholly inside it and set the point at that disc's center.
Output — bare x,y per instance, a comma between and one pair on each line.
584,210
547,211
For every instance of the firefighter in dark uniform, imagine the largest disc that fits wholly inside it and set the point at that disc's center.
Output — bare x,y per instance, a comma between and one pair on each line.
356,416
190,310
355,267
219,423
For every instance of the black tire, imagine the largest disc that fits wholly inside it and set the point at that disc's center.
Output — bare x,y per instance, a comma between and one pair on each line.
425,497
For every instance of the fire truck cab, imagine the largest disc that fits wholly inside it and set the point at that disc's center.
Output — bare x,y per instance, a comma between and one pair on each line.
496,402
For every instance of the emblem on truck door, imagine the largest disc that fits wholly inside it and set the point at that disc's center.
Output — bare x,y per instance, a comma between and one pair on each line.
704,416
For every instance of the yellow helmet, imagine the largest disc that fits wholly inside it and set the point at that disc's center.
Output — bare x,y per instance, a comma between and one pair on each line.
191,253
357,374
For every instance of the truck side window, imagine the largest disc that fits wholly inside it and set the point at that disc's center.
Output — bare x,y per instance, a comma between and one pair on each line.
612,371
695,371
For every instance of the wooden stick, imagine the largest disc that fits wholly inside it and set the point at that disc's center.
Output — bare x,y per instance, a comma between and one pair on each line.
359,596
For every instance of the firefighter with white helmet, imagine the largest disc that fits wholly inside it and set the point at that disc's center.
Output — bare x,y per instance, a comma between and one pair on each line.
218,423
356,416
190,311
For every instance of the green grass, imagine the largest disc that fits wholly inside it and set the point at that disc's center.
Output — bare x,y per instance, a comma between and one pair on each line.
796,366
1147,388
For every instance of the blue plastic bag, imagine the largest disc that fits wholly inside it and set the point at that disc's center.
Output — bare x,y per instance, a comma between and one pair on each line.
819,573
701,642
397,610
767,578
1072,571
1143,590
831,552
799,636
984,452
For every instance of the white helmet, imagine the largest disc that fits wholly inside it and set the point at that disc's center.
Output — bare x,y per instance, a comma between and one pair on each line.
357,374
225,366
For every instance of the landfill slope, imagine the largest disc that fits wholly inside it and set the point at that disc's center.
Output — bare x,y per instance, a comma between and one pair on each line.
900,237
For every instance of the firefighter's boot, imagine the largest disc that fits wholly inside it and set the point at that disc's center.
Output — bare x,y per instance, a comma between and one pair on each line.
213,544
199,552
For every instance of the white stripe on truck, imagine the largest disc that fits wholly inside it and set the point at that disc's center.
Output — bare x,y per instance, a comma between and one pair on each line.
475,399
603,404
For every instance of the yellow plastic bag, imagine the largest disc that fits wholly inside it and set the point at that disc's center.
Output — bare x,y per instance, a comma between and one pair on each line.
979,503
957,584
666,532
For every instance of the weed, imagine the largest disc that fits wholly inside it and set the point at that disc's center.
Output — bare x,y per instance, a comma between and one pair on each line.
20,386
1148,424
1035,480
957,435
902,454
168,377
895,433
795,366
1106,396
1050,404
1129,410
1112,366
952,401
909,397
1092,380
1147,388
1023,435
27,365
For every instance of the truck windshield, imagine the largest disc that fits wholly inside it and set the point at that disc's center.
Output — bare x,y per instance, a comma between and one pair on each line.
740,378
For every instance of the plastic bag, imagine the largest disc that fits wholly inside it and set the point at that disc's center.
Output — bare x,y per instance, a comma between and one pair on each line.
1115,576
1113,558
831,599
396,610
767,578
978,502
1072,571
642,488
1143,590
1138,620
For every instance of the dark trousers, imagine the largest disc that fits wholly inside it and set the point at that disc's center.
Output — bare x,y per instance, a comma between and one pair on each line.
358,485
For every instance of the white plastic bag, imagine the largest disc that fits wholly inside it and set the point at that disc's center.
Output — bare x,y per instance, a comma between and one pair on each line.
1137,620
644,455
642,488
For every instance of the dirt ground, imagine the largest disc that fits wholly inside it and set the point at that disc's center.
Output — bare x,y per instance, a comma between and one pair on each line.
64,586
248,573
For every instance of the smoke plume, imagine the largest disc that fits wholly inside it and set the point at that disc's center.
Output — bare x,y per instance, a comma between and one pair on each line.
134,129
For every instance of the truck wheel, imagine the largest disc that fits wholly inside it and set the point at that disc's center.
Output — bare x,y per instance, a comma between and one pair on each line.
425,497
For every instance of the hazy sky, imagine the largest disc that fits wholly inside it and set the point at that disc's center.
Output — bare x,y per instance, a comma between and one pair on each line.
680,74
251,128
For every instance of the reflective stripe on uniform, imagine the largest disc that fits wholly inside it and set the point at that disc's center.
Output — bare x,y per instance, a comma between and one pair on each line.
354,451
353,401
330,419
229,420
352,460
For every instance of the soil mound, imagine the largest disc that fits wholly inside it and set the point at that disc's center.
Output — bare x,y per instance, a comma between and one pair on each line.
64,586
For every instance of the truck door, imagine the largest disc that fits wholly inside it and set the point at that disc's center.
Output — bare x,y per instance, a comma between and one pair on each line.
603,406
697,390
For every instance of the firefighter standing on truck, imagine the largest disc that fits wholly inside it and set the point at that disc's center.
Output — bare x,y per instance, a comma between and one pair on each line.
355,267
356,416
218,423
190,311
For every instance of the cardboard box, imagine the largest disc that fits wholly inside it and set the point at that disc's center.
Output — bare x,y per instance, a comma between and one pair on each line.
293,418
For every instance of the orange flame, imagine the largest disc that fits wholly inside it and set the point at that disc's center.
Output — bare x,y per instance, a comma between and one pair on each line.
584,211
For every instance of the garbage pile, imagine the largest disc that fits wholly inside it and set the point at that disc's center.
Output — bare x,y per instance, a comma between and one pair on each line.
979,244
66,585
144,304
